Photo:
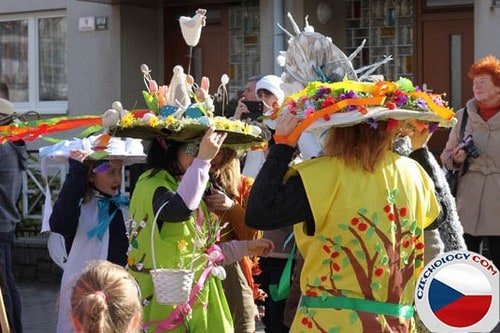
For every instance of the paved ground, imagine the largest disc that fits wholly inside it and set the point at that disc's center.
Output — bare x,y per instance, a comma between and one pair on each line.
40,307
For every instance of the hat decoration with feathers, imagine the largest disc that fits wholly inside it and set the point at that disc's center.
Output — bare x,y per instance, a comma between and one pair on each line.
180,112
322,87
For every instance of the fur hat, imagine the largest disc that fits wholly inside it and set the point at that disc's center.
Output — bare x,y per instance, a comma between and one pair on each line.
271,83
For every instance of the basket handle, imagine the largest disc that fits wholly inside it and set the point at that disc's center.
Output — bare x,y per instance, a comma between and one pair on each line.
153,257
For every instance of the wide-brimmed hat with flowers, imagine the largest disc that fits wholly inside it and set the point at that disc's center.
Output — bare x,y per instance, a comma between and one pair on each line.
315,92
170,116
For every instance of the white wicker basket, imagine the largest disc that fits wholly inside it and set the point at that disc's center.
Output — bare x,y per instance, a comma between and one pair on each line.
172,285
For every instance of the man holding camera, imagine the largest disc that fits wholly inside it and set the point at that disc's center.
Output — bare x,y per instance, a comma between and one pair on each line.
477,155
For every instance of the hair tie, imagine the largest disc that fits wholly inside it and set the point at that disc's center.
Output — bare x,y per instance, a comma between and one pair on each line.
101,294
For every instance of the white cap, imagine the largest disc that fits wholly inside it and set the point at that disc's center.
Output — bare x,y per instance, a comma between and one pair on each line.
273,84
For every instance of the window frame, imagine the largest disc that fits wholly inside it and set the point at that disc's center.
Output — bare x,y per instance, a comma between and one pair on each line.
34,103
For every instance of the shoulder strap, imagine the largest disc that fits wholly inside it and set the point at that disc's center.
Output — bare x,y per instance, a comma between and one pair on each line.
465,116
464,123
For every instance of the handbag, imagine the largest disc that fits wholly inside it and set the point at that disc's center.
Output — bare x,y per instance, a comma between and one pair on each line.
453,175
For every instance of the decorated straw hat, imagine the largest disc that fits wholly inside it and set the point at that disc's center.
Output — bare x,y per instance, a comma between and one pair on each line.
318,93
173,116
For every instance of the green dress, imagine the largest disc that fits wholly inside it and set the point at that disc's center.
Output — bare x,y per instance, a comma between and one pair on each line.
173,246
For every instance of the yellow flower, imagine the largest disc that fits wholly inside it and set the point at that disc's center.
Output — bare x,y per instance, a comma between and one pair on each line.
127,120
153,121
181,244
170,120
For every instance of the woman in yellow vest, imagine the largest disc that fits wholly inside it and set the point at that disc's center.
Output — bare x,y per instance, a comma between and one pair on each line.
358,210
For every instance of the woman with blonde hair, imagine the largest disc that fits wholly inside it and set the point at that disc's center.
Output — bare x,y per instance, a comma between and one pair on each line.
105,299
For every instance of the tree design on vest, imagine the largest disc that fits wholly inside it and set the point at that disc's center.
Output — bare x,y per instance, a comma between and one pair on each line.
388,242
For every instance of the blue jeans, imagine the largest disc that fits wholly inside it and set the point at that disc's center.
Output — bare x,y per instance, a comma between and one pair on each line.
11,298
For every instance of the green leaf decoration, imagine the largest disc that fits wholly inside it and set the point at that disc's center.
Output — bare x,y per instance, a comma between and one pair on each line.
394,227
363,211
316,282
405,223
324,295
354,241
378,248
326,262
303,310
405,259
151,101
345,262
343,226
370,232
376,285
336,277
413,227
384,260
360,254
337,239
353,317
334,330
135,244
320,238
418,232
337,248
375,218
311,313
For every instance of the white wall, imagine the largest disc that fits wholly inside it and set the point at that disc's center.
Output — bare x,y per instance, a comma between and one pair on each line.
486,29
94,72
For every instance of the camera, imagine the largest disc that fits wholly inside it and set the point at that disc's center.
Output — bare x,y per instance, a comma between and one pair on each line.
470,148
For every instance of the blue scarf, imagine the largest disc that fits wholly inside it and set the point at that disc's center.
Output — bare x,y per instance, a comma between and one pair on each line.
105,219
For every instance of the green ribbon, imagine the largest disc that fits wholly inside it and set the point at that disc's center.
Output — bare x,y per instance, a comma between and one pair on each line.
282,290
358,304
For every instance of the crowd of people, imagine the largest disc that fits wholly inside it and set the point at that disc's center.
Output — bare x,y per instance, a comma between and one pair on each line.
284,233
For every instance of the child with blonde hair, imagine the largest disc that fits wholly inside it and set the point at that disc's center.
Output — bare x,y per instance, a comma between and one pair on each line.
105,299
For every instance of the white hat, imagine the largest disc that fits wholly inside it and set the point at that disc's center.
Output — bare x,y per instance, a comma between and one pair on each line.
273,84
6,107
129,150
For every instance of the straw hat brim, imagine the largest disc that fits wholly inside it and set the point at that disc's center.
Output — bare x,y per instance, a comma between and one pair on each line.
188,133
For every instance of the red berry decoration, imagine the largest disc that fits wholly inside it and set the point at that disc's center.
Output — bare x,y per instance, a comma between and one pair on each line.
387,208
336,267
354,221
305,321
379,271
326,248
403,211
362,227
334,255
323,278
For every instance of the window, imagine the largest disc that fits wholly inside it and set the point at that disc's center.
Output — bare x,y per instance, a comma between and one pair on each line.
33,63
